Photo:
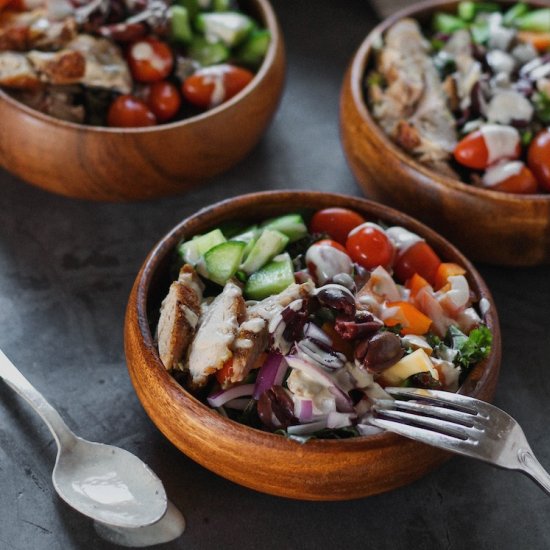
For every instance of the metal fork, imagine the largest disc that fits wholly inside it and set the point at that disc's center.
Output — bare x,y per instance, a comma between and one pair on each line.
460,424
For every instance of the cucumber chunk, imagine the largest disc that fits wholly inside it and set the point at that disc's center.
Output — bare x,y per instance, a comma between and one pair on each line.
222,261
230,27
269,244
249,236
180,27
271,279
514,12
206,52
192,251
535,21
291,225
447,24
253,50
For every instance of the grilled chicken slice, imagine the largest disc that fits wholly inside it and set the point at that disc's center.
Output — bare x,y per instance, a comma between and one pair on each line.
23,31
212,345
179,316
253,334
413,108
105,65
63,67
16,72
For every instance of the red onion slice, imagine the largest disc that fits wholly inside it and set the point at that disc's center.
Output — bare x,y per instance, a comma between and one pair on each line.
320,375
306,429
337,420
311,330
222,397
303,410
271,373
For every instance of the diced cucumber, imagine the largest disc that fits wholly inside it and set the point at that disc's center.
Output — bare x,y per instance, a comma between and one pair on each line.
480,32
514,12
269,244
253,50
291,225
206,52
447,24
222,261
192,251
180,27
271,279
192,7
535,21
466,11
249,236
230,27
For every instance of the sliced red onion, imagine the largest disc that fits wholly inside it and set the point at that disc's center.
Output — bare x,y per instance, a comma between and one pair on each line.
313,331
367,429
311,350
306,429
321,376
271,373
337,420
222,397
303,410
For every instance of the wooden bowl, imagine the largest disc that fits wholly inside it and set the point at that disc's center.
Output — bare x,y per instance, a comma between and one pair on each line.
115,164
318,469
489,226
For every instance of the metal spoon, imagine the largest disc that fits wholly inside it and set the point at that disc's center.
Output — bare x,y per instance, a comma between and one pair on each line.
103,482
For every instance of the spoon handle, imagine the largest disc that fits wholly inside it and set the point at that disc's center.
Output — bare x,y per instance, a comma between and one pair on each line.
13,377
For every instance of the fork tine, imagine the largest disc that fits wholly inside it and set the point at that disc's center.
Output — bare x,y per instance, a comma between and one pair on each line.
429,437
433,424
446,399
466,419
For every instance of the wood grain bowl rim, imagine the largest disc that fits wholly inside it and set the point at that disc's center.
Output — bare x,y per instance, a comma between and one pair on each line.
268,18
356,76
214,214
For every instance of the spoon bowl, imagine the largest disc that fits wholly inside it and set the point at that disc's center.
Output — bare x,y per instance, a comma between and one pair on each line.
108,484
105,483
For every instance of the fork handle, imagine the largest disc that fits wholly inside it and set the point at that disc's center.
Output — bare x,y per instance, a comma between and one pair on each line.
532,467
17,382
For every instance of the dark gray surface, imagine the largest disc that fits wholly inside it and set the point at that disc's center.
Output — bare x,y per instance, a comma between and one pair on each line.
66,268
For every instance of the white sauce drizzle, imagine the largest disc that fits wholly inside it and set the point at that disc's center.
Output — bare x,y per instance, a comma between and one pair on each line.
501,172
402,238
484,306
501,141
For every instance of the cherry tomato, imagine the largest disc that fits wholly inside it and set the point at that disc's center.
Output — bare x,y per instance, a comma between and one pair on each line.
163,98
150,60
538,158
488,145
330,242
336,222
127,111
419,258
514,177
211,86
370,247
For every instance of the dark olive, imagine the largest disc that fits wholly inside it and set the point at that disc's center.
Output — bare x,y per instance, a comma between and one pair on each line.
276,408
337,297
384,349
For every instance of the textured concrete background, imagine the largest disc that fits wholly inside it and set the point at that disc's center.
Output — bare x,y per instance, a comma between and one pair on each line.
66,268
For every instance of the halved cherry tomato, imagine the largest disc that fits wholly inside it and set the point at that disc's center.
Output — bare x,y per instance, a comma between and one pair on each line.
127,111
446,270
419,258
412,320
150,60
163,98
212,86
538,158
489,144
369,246
522,182
336,222
330,242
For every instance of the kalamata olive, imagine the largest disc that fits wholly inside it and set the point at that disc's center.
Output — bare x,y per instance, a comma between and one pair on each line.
337,297
276,408
358,328
424,380
384,350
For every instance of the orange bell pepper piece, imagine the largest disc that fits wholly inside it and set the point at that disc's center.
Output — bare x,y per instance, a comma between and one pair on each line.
446,270
415,283
412,320
539,40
